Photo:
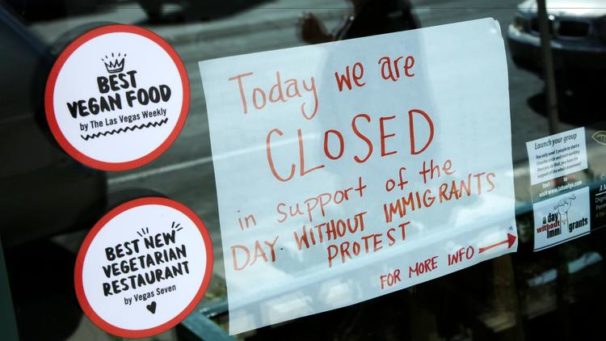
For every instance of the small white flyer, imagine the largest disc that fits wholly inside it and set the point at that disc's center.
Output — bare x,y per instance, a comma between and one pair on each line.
562,218
557,155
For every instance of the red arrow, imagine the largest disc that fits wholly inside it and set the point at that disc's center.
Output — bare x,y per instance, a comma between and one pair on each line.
510,240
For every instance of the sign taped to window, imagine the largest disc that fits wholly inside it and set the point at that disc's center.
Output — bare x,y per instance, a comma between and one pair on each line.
561,218
557,155
560,194
352,169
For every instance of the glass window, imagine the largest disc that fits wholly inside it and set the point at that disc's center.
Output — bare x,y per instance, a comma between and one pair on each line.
552,287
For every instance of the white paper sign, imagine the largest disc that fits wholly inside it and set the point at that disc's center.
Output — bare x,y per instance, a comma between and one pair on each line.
143,267
561,218
349,170
117,97
557,155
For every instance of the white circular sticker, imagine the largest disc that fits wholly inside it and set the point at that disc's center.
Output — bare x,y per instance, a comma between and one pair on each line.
143,267
117,97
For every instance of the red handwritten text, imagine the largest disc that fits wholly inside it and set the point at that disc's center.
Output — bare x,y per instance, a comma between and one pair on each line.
279,92
359,120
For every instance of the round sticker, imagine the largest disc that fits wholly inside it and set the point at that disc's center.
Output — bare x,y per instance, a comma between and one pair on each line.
117,97
143,267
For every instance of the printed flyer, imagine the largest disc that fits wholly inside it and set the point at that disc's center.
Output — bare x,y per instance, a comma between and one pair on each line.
560,192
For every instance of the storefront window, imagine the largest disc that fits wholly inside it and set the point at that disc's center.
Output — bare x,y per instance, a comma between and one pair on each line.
541,183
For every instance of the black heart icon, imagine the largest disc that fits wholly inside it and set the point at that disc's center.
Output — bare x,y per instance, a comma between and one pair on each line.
151,307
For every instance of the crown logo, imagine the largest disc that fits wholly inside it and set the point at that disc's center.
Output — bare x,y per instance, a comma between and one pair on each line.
114,64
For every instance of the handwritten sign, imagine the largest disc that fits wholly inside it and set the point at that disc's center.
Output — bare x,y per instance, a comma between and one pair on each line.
143,267
117,97
353,169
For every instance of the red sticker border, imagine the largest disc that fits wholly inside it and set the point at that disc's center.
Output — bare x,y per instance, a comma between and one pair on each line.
139,333
52,80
